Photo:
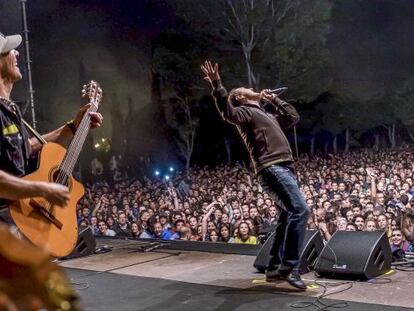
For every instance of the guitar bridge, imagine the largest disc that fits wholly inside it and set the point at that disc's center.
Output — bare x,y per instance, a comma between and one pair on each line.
37,207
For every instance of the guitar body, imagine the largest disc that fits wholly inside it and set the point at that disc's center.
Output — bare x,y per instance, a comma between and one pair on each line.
57,233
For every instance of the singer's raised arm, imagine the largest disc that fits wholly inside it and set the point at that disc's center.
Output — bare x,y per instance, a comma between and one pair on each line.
230,113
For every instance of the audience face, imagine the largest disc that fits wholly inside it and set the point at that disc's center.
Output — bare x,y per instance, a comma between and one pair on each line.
211,226
179,224
157,229
351,227
135,228
225,233
356,210
145,216
359,222
122,219
370,226
253,212
342,224
110,221
380,198
349,216
94,220
102,227
225,219
193,223
397,238
246,212
237,214
218,214
382,222
213,236
394,225
272,211
243,230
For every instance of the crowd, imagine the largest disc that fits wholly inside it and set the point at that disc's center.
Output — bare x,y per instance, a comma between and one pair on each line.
364,190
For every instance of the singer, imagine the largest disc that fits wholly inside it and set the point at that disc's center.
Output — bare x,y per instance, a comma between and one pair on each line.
273,162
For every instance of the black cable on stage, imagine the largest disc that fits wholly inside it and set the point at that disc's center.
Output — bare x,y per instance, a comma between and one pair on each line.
405,268
380,281
318,303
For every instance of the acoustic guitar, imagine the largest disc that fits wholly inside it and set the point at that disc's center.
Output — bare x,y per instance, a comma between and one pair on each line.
50,227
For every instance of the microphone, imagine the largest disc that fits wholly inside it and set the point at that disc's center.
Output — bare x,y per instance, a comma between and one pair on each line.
278,91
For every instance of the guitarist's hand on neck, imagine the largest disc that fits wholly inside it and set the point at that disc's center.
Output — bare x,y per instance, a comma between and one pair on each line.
64,134
96,117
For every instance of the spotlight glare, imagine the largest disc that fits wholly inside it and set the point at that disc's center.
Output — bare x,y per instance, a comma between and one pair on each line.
167,177
157,173
171,169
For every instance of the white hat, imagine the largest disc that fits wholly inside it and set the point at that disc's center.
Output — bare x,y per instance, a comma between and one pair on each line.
8,43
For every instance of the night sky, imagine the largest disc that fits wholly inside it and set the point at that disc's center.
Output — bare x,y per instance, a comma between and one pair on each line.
371,43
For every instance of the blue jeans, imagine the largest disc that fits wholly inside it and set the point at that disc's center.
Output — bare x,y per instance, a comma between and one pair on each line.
280,183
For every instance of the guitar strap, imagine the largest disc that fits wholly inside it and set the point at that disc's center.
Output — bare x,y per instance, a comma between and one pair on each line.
31,129
34,132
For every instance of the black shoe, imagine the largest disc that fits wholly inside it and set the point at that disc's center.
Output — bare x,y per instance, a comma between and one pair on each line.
273,276
295,280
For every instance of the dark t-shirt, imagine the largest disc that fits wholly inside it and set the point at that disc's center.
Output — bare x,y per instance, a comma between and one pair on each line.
123,232
14,142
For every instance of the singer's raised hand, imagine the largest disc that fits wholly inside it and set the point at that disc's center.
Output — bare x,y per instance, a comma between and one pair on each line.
210,72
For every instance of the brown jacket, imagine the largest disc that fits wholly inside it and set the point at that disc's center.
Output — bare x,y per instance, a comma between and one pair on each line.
261,131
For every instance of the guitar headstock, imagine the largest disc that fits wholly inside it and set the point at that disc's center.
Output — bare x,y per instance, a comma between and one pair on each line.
92,92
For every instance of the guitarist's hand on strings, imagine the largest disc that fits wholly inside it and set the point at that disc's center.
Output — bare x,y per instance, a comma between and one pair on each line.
54,193
96,117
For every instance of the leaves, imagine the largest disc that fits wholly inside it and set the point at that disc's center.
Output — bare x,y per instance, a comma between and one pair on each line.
402,102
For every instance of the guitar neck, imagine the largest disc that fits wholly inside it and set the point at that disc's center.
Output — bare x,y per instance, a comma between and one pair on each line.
75,147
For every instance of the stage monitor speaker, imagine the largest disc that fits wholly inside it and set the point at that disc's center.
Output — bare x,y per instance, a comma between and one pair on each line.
312,247
355,255
85,246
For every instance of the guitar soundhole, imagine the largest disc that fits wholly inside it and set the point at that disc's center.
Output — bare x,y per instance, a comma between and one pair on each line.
60,177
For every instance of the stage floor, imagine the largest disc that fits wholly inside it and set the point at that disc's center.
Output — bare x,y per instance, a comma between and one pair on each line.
127,279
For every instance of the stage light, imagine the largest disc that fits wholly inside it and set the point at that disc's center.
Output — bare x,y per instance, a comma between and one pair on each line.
103,144
167,177
171,169
157,173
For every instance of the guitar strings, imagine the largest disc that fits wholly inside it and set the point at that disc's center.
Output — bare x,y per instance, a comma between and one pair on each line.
68,163
69,160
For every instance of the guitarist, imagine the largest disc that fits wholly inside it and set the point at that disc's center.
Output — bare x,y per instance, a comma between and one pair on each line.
15,144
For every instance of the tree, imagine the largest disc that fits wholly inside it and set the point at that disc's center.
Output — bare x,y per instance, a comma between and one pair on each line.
278,40
402,102
176,59
181,116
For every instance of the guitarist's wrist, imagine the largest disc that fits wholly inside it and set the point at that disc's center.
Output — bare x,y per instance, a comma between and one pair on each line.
72,126
36,189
